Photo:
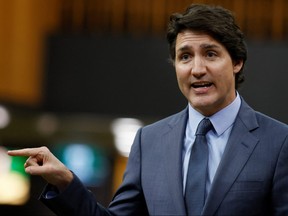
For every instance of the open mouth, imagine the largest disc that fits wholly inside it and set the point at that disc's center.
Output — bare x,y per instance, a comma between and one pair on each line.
201,85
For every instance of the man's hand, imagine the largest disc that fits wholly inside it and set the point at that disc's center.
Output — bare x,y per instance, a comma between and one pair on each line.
43,163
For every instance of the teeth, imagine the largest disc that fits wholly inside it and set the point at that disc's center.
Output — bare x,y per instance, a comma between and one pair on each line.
199,85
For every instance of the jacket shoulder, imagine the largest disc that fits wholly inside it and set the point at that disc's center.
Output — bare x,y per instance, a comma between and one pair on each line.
168,122
271,123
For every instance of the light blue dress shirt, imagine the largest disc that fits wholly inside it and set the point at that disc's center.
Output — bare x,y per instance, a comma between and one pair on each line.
217,139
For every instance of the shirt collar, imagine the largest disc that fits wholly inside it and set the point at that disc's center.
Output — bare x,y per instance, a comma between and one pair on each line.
221,120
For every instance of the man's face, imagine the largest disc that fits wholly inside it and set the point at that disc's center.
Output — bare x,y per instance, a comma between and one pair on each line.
205,72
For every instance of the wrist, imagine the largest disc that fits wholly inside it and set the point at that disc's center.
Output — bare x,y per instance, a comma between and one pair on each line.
66,180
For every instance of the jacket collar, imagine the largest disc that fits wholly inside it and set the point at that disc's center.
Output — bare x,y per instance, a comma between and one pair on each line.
240,146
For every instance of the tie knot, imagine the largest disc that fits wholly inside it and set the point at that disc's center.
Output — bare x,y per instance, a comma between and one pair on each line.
204,126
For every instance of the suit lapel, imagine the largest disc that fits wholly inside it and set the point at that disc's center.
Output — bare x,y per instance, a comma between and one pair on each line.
238,150
172,143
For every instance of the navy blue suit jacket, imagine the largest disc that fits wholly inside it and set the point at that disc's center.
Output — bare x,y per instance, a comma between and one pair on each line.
252,177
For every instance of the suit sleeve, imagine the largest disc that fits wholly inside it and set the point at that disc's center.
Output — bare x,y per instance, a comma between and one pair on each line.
280,182
76,199
129,198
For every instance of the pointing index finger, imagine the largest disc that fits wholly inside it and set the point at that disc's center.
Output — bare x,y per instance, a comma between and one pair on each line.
23,152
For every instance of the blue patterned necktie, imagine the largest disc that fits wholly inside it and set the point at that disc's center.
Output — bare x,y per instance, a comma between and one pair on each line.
197,170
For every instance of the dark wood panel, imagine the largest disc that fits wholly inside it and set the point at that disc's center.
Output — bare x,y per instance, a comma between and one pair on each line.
259,19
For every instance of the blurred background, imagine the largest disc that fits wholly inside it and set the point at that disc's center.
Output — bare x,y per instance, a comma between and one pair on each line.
81,76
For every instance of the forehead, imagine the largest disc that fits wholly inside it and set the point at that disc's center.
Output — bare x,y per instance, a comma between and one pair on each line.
189,38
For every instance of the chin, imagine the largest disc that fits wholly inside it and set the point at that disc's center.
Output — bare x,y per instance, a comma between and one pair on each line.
203,106
202,100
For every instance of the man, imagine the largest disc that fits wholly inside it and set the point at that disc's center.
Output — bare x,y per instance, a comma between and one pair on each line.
247,171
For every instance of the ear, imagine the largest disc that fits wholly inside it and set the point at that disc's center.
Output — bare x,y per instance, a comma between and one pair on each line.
237,66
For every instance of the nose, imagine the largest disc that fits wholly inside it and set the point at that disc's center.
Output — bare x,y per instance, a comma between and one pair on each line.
198,67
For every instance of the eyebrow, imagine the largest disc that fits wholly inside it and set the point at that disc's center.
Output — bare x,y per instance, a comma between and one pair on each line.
203,46
209,46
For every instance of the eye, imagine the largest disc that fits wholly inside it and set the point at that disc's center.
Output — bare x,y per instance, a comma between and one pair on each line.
211,54
185,57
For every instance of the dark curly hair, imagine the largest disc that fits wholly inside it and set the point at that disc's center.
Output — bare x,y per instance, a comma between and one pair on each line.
215,21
